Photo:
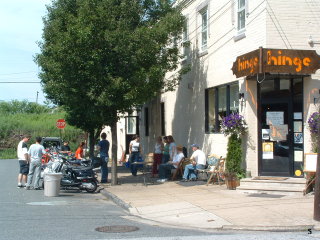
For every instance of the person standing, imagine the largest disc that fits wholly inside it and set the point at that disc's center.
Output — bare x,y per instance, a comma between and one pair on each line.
22,152
135,151
157,156
79,151
35,153
103,146
165,155
65,148
198,161
172,147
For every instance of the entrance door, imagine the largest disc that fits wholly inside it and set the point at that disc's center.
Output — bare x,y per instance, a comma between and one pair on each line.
280,108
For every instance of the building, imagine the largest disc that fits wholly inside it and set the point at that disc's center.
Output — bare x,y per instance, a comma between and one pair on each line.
255,57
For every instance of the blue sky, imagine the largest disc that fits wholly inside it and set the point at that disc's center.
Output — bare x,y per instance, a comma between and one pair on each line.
20,29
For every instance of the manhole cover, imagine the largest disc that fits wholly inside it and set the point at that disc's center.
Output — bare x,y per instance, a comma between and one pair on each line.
117,229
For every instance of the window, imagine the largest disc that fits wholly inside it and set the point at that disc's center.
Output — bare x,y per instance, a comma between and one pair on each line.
131,125
219,102
163,126
146,121
204,29
241,15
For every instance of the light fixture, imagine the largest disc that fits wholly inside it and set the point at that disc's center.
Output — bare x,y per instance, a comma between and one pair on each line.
312,42
241,95
316,99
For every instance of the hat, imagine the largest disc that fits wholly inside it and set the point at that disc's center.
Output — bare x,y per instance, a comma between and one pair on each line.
179,147
195,145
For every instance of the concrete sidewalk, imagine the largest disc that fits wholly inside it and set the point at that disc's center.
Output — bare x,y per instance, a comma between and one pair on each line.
193,204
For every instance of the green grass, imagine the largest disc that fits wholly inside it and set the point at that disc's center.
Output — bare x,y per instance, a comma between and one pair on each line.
43,125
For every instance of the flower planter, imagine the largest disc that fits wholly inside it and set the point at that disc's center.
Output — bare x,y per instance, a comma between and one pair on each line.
232,183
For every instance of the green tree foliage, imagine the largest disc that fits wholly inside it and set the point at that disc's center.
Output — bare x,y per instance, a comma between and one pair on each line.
234,155
100,58
15,106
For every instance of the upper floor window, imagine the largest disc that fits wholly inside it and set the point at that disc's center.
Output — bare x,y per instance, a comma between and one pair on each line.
185,39
204,29
241,14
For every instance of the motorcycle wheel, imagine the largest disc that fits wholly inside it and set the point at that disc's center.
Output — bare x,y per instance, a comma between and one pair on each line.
93,188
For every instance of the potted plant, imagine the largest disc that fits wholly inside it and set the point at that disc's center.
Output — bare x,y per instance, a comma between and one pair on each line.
233,126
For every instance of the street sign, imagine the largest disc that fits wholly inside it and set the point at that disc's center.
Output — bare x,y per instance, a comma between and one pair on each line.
61,123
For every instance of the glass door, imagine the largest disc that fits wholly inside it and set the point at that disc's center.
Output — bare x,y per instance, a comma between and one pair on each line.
280,119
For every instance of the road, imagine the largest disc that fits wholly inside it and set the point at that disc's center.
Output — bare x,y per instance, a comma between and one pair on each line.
75,215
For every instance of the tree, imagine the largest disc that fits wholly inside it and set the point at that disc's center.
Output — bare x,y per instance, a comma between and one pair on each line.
100,58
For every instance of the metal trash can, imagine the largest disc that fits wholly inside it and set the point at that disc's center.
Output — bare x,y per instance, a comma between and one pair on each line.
52,184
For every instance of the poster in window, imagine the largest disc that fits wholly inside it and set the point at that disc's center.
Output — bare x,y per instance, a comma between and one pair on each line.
275,118
298,156
265,134
297,115
297,126
310,162
298,138
267,150
278,132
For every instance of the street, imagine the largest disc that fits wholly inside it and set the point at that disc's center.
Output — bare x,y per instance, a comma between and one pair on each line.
74,215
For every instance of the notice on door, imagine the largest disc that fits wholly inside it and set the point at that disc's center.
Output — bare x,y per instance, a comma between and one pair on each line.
275,118
278,132
267,150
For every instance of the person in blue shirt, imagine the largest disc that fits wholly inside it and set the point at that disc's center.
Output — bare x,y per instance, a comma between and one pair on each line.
104,155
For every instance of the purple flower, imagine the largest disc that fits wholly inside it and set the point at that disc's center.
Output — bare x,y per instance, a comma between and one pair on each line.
314,123
233,124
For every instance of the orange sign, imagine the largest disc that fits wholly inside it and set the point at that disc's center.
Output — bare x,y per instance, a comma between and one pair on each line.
266,60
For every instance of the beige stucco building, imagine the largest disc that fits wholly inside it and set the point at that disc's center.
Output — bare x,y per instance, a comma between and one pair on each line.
275,92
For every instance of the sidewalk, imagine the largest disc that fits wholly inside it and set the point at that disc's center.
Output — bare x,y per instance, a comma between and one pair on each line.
193,204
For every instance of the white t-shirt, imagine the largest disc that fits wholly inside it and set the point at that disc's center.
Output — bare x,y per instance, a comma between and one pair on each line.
199,157
177,158
36,151
22,150
157,148
134,146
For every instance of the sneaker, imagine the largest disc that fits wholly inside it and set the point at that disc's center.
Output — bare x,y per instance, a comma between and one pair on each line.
193,179
184,180
162,180
37,188
27,188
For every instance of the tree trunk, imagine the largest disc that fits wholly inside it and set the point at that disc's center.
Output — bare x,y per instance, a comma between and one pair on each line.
114,174
91,143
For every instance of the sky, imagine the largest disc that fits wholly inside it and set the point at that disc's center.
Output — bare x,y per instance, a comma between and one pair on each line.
20,30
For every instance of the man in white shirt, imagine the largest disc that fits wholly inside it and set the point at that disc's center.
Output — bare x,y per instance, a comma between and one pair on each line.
35,155
22,152
198,161
165,169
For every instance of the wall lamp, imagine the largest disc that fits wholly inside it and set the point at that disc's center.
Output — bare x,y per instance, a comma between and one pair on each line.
241,95
312,42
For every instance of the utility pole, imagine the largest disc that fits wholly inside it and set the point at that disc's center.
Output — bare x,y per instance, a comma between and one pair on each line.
316,209
37,97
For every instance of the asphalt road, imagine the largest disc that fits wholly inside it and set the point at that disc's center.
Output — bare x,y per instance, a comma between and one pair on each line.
75,215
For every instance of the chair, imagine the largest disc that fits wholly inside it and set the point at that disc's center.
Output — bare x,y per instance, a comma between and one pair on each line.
217,171
145,165
212,161
180,168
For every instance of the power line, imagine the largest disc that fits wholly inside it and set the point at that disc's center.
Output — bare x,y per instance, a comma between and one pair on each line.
20,82
6,74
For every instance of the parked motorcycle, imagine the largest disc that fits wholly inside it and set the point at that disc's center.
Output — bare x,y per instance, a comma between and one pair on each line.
81,177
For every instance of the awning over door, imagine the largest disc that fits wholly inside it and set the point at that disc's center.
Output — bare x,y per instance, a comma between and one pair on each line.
267,60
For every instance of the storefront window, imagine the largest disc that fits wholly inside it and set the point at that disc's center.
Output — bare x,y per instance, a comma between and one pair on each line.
220,101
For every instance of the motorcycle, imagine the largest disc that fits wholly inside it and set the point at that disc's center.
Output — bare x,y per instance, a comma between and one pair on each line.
81,177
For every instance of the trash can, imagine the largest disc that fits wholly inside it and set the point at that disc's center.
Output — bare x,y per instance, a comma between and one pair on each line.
52,184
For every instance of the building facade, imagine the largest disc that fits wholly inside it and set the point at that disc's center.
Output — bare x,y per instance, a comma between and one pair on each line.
254,57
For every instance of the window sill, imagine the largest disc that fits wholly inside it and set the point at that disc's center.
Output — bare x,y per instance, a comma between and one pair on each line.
240,35
203,53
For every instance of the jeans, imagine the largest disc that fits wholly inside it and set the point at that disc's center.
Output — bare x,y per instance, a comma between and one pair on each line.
165,170
165,158
190,171
34,169
134,158
104,169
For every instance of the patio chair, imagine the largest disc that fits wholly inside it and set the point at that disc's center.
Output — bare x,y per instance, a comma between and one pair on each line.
180,168
217,172
212,161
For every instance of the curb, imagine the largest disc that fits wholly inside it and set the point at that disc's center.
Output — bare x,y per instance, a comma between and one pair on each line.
297,228
116,200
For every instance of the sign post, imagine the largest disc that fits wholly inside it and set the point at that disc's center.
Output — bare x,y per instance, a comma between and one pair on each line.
61,124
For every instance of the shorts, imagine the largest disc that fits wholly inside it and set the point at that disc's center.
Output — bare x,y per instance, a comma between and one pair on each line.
24,167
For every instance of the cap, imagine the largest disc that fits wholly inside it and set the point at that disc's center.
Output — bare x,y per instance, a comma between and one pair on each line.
195,145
